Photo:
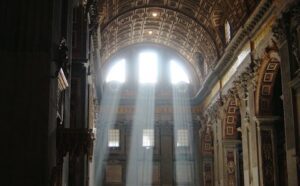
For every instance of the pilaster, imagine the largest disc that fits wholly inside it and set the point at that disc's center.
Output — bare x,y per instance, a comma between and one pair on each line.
267,149
286,33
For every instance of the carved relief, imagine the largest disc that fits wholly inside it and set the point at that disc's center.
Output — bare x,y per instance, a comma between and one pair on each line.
279,31
230,168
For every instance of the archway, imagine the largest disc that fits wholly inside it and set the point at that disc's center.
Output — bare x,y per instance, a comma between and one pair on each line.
270,117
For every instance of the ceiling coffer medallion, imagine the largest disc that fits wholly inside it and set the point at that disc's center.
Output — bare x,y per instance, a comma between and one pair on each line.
188,26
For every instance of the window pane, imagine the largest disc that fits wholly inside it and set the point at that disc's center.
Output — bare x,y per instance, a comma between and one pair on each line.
147,67
182,138
117,72
113,138
178,74
148,138
227,32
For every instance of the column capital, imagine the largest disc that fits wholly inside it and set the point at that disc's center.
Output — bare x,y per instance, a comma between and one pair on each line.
278,30
215,112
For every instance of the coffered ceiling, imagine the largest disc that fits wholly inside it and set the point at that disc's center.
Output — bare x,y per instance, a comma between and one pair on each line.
191,27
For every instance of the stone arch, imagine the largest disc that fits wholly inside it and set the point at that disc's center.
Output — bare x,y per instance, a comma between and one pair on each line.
268,71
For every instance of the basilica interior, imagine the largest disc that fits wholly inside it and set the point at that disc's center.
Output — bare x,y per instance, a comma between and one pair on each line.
150,92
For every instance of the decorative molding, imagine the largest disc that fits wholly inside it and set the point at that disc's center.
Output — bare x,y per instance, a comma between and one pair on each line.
262,12
279,32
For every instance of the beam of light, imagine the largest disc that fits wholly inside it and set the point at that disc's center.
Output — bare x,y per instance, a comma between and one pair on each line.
117,72
178,75
148,67
183,143
108,112
140,157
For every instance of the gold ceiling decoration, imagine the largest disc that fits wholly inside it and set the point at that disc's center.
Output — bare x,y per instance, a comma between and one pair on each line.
188,26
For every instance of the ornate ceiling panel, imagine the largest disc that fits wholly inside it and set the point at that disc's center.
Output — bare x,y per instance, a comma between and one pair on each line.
189,26
170,28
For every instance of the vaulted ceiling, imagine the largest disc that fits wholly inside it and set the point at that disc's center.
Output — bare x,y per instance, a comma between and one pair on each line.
194,28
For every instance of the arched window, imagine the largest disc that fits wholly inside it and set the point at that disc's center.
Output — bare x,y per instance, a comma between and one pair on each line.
149,70
177,73
148,67
227,32
117,72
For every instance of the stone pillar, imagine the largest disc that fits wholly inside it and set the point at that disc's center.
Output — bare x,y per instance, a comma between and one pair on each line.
285,34
216,155
220,157
246,153
253,141
244,90
231,166
215,113
267,150
167,165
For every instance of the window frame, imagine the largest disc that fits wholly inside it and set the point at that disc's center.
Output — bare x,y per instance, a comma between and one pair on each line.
186,142
119,138
151,138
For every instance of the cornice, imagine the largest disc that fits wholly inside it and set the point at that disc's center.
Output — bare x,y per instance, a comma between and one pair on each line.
252,26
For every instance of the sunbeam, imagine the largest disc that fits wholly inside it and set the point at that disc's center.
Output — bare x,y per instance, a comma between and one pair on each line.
109,108
140,157
183,142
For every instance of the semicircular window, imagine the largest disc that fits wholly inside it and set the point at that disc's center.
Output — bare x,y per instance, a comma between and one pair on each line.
177,73
148,67
117,72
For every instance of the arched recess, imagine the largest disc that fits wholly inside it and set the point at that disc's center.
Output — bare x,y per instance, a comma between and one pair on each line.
270,118
268,72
